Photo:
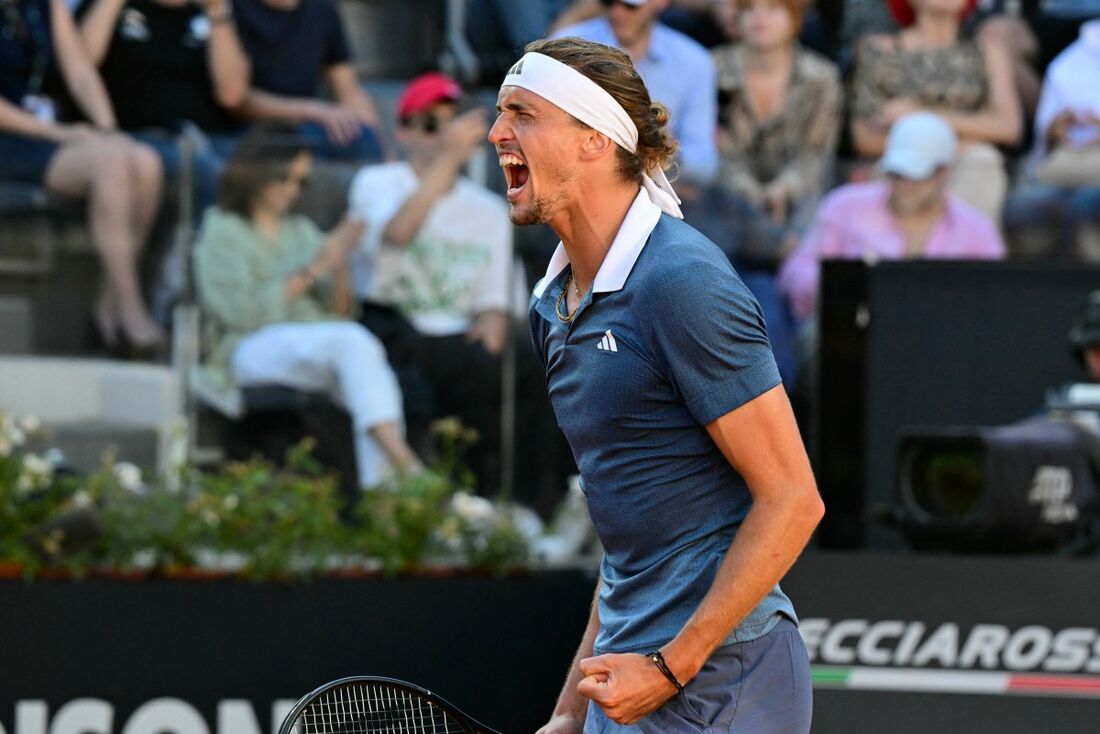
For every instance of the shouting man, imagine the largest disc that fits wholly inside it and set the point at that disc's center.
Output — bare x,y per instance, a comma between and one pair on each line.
660,374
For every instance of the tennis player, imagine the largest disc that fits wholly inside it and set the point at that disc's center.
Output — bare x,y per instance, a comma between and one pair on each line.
661,376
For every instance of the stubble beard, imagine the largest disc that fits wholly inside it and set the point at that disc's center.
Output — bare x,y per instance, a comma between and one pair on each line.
543,208
539,211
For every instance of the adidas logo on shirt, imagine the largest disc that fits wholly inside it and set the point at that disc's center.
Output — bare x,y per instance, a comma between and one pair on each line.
607,344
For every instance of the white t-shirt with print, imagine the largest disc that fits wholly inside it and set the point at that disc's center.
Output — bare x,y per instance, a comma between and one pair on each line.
455,267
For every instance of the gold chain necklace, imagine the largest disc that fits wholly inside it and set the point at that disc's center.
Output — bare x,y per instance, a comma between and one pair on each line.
567,318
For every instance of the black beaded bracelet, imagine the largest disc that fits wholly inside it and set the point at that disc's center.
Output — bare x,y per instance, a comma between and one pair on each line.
659,660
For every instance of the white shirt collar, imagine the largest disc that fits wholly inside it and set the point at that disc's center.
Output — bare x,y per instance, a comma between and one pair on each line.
640,220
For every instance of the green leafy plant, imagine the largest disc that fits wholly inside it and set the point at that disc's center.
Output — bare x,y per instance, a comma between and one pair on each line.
251,518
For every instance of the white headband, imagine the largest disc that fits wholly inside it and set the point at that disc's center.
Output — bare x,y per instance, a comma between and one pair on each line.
584,99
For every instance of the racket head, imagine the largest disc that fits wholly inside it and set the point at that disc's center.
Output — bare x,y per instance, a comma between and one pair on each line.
366,704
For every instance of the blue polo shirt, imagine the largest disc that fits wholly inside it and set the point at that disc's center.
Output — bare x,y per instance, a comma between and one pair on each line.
667,340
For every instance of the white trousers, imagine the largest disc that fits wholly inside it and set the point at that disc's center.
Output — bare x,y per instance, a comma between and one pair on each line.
339,358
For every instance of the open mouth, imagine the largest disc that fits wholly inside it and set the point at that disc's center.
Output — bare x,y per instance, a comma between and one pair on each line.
517,173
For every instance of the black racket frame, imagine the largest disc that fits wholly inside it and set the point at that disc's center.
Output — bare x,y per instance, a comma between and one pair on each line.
472,725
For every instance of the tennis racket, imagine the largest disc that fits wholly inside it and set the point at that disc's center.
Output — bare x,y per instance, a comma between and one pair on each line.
371,705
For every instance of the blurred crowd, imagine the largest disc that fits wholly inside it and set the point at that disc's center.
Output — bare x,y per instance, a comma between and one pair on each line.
866,129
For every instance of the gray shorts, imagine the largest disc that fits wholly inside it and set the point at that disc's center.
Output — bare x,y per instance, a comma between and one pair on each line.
757,687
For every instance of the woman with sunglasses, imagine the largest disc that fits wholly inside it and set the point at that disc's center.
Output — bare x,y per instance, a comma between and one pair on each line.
930,65
263,275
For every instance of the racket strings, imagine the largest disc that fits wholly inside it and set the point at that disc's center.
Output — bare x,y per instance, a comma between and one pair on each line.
375,709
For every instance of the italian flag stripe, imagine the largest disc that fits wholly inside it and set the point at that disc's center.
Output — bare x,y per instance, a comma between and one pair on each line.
955,681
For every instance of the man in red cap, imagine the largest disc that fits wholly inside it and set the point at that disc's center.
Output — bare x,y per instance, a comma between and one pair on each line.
432,272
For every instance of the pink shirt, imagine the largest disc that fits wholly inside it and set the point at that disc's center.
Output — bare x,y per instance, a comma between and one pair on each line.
854,222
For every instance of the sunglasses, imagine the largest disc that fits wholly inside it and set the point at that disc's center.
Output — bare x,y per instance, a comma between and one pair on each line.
609,3
430,124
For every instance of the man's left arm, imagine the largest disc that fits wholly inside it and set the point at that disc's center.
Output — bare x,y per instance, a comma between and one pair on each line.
343,82
760,440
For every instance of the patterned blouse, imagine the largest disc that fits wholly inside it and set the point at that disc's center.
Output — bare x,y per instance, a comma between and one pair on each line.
953,78
795,145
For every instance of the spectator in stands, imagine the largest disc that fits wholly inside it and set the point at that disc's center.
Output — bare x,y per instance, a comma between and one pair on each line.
120,178
297,46
1058,211
262,274
779,113
434,269
678,72
930,66
910,215
498,30
167,63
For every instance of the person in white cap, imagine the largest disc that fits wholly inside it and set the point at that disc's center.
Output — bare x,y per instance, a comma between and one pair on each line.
661,377
909,214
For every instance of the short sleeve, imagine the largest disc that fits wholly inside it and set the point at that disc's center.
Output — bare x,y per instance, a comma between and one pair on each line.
336,41
376,194
495,292
708,333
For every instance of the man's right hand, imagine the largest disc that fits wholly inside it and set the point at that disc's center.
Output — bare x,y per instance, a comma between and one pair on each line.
465,133
1058,129
342,125
562,724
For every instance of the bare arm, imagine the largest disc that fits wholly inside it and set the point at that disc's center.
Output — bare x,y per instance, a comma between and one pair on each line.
868,138
229,66
77,69
18,121
261,105
340,241
345,88
342,125
761,441
461,137
97,28
1002,120
572,707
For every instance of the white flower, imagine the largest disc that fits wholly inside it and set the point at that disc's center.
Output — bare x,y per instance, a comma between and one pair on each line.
82,500
472,508
16,436
37,473
231,502
37,466
526,522
31,424
128,476
211,518
25,483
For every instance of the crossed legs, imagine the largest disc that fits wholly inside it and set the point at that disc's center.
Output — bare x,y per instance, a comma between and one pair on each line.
121,180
